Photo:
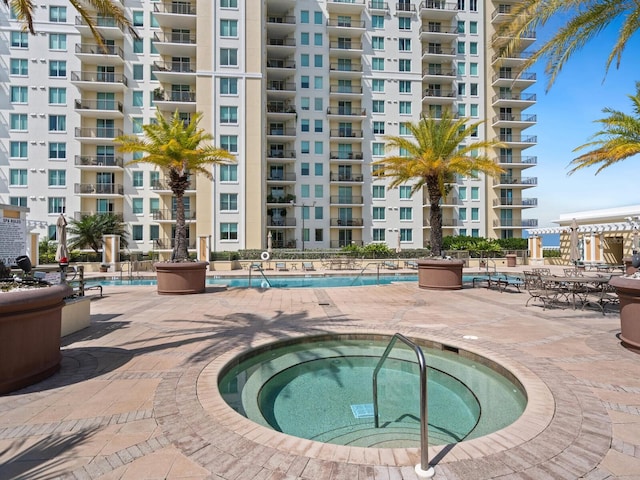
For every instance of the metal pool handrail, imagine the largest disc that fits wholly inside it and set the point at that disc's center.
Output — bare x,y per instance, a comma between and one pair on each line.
259,268
423,469
364,268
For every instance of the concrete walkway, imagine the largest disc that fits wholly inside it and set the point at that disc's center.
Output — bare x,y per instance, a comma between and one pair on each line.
136,397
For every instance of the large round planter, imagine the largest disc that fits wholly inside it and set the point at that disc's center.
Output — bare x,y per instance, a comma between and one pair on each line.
30,335
628,290
181,278
440,274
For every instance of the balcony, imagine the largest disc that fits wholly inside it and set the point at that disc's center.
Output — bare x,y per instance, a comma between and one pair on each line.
345,70
98,189
435,31
438,75
514,79
518,160
281,46
346,7
280,89
175,44
345,112
344,243
345,26
514,99
281,177
447,222
288,198
516,202
438,10
107,27
280,25
513,223
439,95
347,222
281,155
513,119
518,140
281,69
99,82
97,135
514,59
502,14
378,6
167,215
501,38
103,162
179,73
177,100
405,9
175,14
346,48
77,216
346,177
107,55
337,156
281,222
281,133
106,109
167,243
163,186
437,54
345,91
280,110
346,199
511,181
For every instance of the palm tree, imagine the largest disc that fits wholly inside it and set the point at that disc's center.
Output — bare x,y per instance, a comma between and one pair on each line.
618,140
435,154
24,13
179,150
582,21
89,230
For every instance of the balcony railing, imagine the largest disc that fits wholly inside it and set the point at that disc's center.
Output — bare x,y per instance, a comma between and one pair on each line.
277,86
90,49
346,200
341,67
346,133
405,7
341,177
347,222
281,154
344,243
509,222
167,214
164,185
437,28
106,105
508,180
178,8
187,97
437,92
281,42
80,215
99,161
280,107
525,97
528,76
99,188
438,73
98,77
510,117
168,243
353,89
337,155
437,50
378,5
506,137
516,201
518,159
287,19
280,63
174,67
99,21
346,45
98,132
439,5
281,177
355,112
285,132
281,222
345,22
185,38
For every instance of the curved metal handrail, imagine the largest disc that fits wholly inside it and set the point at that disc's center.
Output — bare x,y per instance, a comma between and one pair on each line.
362,271
424,416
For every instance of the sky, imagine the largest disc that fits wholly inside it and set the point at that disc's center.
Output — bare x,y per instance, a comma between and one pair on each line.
566,115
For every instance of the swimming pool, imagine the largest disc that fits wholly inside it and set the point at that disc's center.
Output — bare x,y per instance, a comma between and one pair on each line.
321,389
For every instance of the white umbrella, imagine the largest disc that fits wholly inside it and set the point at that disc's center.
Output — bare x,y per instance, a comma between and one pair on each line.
634,241
61,235
574,253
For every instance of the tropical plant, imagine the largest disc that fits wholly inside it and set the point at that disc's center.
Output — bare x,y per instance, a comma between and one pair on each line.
46,251
436,153
23,10
582,21
618,140
89,230
180,150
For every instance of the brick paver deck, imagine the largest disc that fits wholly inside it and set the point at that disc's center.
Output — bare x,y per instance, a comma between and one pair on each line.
136,397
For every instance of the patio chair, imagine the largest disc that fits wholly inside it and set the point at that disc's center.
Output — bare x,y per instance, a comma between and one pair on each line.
255,266
539,290
541,271
281,266
390,265
307,266
411,264
573,272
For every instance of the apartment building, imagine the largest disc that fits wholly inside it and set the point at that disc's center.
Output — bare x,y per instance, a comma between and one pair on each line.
301,91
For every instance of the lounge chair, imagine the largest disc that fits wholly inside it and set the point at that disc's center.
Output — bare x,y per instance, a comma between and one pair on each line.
390,265
256,266
281,266
411,264
307,266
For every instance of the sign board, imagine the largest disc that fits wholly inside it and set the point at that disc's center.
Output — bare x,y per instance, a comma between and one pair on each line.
13,239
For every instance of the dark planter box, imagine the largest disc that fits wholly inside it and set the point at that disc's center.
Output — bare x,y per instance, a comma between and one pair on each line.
440,274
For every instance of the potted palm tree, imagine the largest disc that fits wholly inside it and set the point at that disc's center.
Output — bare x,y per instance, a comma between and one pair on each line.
435,154
179,150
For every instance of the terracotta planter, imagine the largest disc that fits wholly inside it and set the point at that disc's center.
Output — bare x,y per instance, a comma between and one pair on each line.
30,335
628,291
182,278
439,274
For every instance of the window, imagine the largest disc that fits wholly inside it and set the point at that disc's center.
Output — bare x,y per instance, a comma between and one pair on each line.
404,65
138,72
378,106
318,212
462,193
228,57
460,26
378,191
305,147
229,143
138,45
304,59
305,103
57,68
153,21
317,18
58,14
317,39
318,191
228,86
19,39
319,235
473,5
154,179
57,41
154,232
18,177
473,69
57,123
473,110
228,114
304,81
56,204
304,38
136,125
228,201
460,4
318,169
318,148
462,109
18,201
475,213
473,27
19,94
18,121
403,129
377,149
473,48
475,193
228,28
377,21
228,231
404,86
404,44
137,207
304,16
317,61
137,98
19,66
378,234
406,235
473,89
304,191
404,108
228,173
138,179
475,232
379,213
404,23
229,3
304,169
461,68
405,192
18,149
57,150
138,18
57,178
377,43
136,233
317,82
406,213
377,85
462,214
461,89
378,128
318,104
377,63
317,126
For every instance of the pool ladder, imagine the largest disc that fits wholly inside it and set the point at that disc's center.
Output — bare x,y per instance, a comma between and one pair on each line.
423,469
259,268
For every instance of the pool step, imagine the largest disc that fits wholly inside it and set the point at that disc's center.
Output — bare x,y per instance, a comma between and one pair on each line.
390,436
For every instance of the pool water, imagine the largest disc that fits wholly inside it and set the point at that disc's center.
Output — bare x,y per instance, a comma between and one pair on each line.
322,390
